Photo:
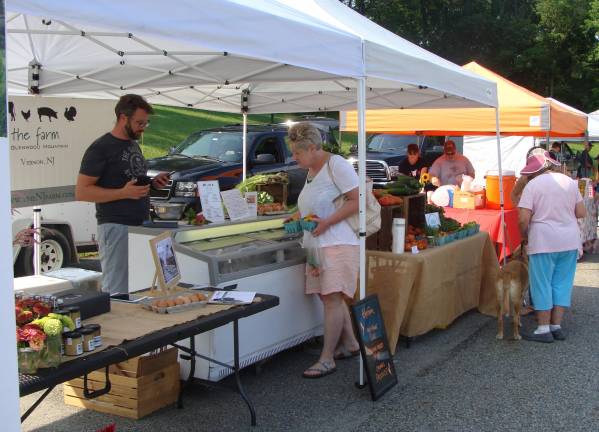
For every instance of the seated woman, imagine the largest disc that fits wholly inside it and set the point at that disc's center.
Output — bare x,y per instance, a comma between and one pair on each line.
413,165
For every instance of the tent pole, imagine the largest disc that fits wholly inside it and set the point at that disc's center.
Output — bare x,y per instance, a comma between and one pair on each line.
244,137
245,97
501,200
37,239
362,189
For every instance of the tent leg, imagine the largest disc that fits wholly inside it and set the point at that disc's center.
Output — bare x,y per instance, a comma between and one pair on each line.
244,138
362,189
501,198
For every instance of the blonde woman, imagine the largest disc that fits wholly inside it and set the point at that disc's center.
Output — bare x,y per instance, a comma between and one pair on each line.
336,278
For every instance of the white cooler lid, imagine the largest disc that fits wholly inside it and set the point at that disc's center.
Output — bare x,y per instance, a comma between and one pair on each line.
41,284
505,173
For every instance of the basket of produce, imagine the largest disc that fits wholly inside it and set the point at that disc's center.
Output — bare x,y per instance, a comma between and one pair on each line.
387,199
271,188
293,227
308,223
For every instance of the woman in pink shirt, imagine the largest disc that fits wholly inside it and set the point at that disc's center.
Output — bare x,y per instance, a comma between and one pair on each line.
548,209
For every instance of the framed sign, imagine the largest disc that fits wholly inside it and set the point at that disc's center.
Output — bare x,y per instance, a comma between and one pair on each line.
372,337
165,260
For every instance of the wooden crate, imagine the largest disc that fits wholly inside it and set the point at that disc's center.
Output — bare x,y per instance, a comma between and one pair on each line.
412,210
277,190
131,395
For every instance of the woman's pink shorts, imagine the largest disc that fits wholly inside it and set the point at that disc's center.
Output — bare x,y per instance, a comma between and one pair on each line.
340,273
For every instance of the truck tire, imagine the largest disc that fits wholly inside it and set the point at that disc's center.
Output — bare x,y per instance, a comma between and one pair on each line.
55,251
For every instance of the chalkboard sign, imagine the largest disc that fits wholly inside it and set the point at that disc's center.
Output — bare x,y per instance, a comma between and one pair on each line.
378,361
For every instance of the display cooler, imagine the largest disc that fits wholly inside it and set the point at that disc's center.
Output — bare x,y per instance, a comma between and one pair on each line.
255,256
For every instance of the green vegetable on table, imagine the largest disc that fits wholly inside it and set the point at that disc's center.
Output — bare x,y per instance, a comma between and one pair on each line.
404,185
449,225
250,184
265,198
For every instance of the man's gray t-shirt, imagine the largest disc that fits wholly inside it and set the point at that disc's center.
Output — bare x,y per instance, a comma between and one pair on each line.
115,162
447,170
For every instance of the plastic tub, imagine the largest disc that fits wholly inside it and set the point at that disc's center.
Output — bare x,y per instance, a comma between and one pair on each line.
492,186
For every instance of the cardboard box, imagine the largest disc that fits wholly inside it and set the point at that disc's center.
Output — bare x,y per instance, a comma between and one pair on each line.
468,200
139,386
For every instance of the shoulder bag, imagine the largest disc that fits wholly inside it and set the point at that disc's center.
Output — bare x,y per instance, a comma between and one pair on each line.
373,208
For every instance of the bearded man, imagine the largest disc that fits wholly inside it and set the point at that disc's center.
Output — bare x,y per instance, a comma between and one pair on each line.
113,175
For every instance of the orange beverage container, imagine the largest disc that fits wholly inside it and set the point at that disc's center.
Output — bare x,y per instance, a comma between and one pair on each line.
492,186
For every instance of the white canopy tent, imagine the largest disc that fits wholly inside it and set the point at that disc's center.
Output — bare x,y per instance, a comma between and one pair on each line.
594,126
257,56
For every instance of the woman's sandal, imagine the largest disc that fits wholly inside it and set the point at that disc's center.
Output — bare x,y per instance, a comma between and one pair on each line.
344,354
324,370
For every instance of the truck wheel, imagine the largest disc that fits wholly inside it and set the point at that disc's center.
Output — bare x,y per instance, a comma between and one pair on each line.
55,252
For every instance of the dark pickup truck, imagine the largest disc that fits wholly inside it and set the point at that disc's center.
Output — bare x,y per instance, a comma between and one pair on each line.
386,151
217,154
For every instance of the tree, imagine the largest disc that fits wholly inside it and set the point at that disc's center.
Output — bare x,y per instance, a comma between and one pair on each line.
548,46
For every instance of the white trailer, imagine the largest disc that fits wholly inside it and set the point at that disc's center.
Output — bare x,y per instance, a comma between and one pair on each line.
47,138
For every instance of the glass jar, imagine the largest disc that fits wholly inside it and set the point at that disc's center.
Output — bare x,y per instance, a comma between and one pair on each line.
73,343
88,338
28,360
51,353
97,334
75,314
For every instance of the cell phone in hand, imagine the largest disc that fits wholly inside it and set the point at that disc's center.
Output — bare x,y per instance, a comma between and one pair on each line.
143,180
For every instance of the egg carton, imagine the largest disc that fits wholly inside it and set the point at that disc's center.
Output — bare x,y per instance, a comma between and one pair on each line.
148,303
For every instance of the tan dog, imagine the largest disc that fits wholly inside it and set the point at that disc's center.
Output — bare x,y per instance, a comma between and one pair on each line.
511,286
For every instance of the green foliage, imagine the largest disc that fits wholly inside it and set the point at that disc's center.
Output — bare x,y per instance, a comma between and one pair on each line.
548,46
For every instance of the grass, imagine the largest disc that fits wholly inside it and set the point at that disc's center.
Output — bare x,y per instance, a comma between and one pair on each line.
170,125
579,147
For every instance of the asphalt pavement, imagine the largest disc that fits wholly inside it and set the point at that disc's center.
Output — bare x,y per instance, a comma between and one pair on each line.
459,379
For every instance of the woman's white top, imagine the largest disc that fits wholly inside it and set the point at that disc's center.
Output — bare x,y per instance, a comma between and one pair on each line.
317,198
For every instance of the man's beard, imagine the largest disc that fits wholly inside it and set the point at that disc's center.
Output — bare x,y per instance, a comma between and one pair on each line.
132,135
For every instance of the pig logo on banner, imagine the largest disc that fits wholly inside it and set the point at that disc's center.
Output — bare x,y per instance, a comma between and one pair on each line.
48,112
69,113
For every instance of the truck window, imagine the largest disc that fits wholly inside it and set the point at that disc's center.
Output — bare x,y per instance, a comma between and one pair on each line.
268,145
391,143
432,144
226,146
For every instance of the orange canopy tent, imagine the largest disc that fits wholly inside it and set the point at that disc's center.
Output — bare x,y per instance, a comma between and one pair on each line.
521,112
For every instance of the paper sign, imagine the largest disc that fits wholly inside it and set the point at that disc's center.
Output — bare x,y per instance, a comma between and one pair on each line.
212,207
235,204
415,249
251,198
534,121
432,220
232,297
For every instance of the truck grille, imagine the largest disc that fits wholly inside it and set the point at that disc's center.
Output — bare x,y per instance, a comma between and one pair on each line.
376,170
162,194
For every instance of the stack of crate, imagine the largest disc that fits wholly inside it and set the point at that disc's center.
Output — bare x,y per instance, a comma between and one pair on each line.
139,386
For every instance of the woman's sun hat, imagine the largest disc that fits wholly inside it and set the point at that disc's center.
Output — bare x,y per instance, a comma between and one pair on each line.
537,161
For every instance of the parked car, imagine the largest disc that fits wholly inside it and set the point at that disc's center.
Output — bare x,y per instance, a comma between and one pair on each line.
386,151
217,154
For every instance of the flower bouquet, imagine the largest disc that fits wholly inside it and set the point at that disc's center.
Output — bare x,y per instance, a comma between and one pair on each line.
39,334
